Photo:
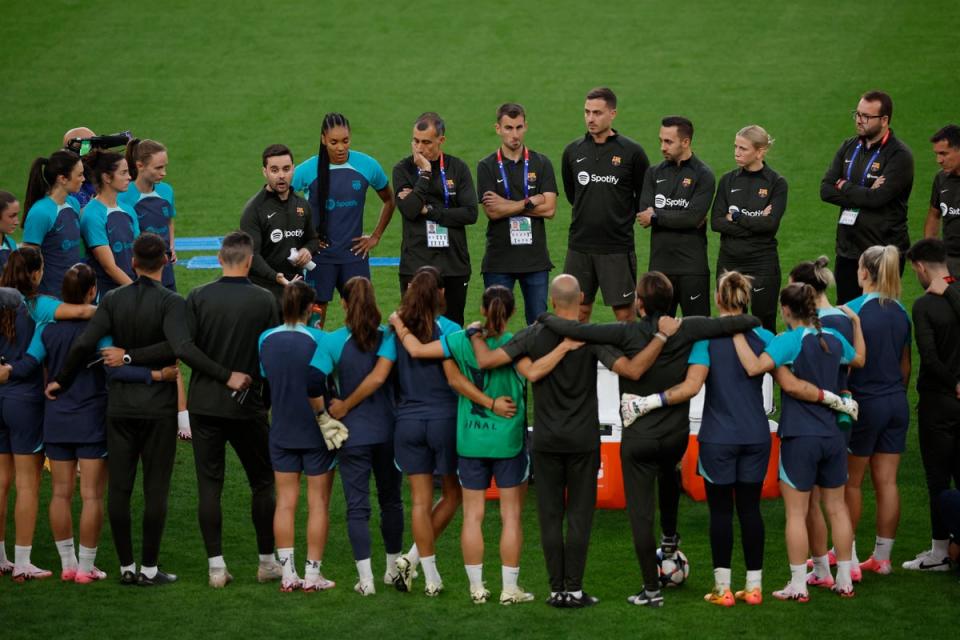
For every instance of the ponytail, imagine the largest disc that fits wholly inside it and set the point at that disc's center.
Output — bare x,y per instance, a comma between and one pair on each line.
77,283
297,298
330,121
499,303
98,162
363,316
8,323
141,151
19,270
801,300
883,266
43,175
733,291
815,273
422,303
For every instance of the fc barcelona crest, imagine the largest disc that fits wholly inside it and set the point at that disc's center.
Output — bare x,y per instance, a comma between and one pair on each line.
615,160
762,193
357,185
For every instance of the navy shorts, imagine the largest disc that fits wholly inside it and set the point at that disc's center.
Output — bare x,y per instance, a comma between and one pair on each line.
312,462
76,450
732,463
426,446
21,426
327,276
882,426
475,473
806,461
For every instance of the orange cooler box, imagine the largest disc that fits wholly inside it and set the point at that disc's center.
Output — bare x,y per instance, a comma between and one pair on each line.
693,482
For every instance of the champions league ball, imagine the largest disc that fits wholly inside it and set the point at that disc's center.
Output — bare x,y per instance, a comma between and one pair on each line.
673,569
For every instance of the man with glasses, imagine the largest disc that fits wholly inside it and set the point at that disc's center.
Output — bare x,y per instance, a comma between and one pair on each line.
870,181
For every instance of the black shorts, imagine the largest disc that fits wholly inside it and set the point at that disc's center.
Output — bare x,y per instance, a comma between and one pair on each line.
614,274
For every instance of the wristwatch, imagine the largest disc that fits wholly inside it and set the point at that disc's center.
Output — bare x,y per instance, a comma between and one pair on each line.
528,205
127,359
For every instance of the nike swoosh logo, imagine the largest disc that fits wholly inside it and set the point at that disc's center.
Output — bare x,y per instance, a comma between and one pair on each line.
499,180
759,290
846,162
944,190
735,190
692,298
272,214
661,180
924,565
579,160
628,294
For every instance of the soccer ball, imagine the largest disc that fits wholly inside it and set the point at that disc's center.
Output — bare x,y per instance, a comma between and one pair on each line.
674,569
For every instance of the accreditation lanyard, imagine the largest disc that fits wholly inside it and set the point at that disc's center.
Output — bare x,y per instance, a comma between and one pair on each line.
873,158
526,173
443,179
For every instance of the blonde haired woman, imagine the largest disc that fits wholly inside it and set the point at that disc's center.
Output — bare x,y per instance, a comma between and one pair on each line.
747,211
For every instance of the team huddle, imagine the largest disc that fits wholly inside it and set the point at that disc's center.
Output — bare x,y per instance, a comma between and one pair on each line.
92,331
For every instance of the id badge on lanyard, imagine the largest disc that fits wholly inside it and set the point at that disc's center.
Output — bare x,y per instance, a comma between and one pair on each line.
521,227
438,237
848,216
521,230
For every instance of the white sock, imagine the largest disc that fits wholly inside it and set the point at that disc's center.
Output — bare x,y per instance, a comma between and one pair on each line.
132,568
882,548
939,548
474,575
365,570
68,555
21,555
3,551
216,562
843,574
286,560
267,558
798,577
311,568
721,579
429,564
754,580
414,556
87,557
509,575
183,420
821,566
149,572
392,561
853,553
576,594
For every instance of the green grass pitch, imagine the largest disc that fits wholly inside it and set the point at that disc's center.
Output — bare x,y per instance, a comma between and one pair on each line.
217,82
